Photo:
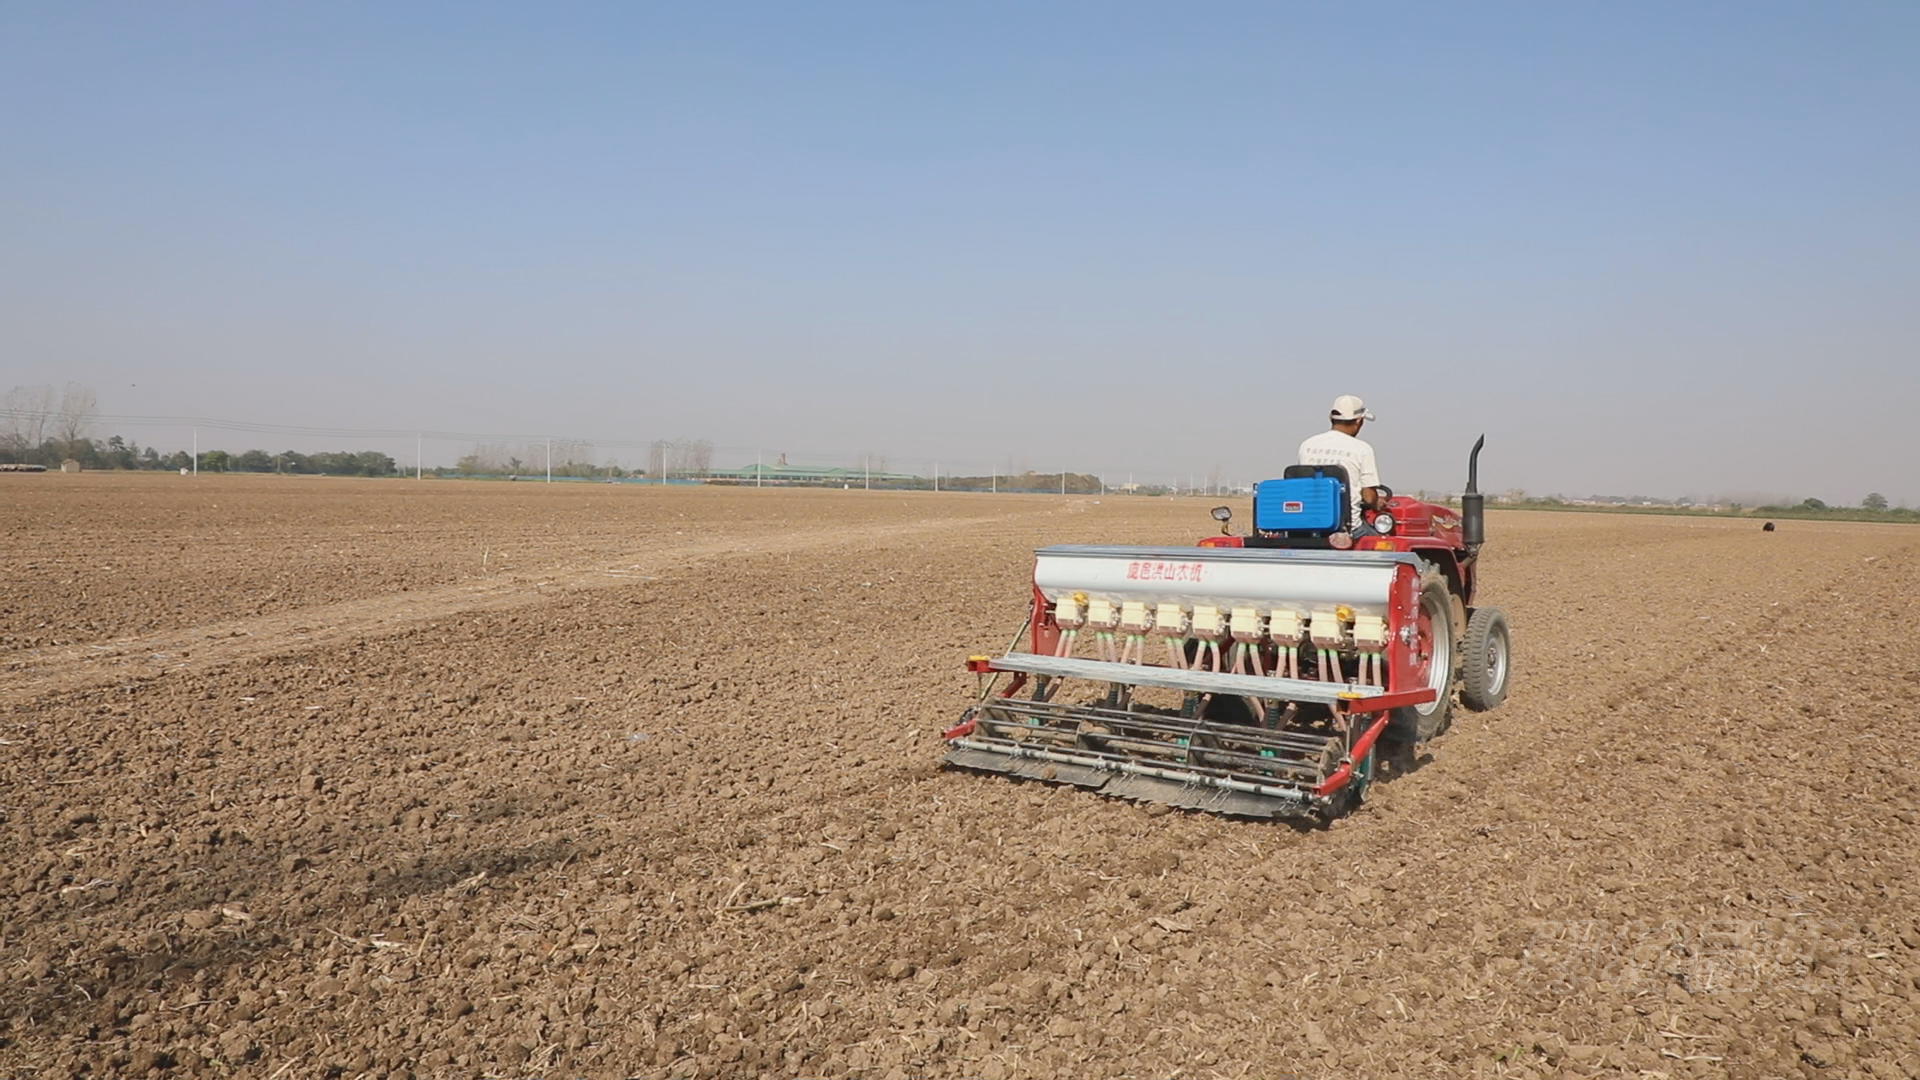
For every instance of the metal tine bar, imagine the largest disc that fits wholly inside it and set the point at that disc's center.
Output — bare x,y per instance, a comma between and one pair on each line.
1068,711
1307,759
1232,760
1274,740
1270,788
1228,763
1253,756
1198,775
1210,763
1200,772
1160,746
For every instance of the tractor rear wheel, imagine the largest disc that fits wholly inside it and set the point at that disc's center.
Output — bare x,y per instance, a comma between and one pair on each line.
1489,660
1414,724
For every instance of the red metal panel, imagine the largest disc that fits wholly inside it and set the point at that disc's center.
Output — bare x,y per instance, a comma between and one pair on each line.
1046,632
1392,699
1403,615
1411,517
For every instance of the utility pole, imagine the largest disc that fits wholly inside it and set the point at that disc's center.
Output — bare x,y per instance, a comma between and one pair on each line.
419,463
196,449
549,461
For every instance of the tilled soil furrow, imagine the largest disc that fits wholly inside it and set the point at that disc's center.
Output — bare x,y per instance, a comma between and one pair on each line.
696,827
37,672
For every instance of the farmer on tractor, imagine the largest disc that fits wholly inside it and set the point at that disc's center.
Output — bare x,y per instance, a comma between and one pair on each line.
1341,445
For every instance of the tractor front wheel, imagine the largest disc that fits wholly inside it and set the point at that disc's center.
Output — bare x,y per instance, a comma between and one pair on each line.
1489,660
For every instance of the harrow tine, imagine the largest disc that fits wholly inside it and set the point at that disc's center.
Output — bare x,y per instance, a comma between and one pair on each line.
1208,751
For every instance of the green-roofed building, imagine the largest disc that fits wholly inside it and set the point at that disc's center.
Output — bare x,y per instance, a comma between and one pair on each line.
810,476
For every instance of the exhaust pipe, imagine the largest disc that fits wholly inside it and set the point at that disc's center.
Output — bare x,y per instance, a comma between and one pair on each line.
1473,505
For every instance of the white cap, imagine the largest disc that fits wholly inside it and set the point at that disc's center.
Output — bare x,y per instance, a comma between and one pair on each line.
1348,407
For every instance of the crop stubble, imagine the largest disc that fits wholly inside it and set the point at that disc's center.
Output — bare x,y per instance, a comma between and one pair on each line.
336,778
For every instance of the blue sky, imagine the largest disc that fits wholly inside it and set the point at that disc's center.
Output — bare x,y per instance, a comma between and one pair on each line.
1670,248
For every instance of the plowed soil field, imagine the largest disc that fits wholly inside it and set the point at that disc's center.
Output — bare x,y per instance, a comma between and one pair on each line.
306,778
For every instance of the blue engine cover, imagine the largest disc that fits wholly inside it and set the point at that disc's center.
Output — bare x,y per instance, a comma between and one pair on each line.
1300,504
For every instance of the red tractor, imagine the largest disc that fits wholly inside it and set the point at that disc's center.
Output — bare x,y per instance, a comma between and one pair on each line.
1254,674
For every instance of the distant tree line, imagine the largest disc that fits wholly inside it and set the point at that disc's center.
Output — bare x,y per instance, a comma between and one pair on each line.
119,453
1075,483
39,428
565,457
1874,507
334,463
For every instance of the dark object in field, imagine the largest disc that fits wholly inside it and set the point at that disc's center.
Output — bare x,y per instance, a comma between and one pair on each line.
1768,527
